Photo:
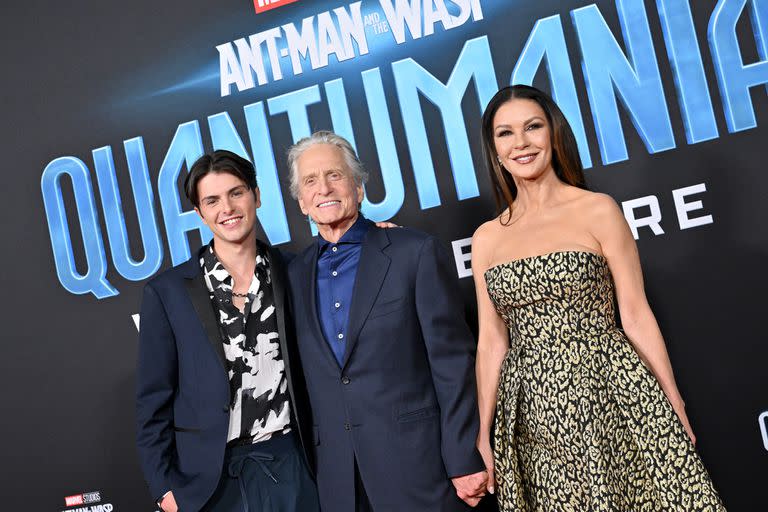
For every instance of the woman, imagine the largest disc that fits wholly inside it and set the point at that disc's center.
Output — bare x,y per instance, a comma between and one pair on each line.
587,417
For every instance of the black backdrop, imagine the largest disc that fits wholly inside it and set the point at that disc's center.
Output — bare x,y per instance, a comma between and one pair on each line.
85,75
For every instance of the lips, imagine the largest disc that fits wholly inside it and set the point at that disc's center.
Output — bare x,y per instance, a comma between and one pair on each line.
326,204
525,159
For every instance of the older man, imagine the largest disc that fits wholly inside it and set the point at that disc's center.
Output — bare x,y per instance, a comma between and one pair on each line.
387,355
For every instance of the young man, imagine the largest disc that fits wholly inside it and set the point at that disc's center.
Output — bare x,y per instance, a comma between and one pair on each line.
387,355
218,405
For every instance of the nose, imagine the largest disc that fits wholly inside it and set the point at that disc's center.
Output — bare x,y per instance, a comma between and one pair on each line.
323,185
227,205
521,140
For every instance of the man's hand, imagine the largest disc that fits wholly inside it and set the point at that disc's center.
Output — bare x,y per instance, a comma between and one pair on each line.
168,503
386,225
470,488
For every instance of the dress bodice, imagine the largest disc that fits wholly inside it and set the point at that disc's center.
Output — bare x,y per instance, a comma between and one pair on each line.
554,295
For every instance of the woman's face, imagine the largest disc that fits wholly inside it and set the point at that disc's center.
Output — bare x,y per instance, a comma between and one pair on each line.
522,138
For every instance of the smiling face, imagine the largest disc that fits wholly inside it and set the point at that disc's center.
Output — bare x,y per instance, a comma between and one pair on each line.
228,207
327,191
522,138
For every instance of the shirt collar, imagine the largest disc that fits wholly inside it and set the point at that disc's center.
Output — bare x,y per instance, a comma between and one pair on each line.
215,273
354,235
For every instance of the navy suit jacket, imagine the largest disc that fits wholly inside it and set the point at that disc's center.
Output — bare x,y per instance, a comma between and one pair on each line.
182,384
403,403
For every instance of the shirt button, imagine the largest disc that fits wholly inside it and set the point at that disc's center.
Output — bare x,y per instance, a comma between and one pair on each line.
347,426
335,249
341,336
345,380
334,273
338,305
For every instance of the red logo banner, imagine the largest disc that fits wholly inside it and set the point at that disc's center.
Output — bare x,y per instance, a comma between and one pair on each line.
265,5
77,499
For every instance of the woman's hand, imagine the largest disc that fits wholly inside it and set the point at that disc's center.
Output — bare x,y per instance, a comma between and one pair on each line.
679,408
484,447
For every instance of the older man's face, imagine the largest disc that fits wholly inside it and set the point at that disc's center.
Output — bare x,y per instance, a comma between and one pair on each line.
327,191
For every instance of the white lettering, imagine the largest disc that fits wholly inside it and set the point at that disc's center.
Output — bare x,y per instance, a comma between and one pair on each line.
229,69
371,19
466,7
271,36
683,208
434,11
352,27
652,221
403,13
328,41
250,60
301,44
462,257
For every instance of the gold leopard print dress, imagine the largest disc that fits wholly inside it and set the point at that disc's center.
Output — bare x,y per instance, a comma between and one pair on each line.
582,425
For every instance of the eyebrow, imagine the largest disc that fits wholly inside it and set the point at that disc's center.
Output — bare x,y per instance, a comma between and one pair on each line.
311,174
534,118
227,192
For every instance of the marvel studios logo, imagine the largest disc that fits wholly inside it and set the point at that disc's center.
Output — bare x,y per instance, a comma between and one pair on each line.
265,5
82,499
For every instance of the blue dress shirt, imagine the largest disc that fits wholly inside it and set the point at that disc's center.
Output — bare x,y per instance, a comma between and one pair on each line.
336,269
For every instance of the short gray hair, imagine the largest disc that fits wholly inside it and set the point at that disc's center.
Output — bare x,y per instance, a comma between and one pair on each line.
358,172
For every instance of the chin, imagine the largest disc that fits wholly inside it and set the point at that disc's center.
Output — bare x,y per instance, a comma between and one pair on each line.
323,220
234,237
532,174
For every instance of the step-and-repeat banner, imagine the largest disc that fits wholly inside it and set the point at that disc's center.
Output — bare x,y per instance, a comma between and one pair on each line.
106,104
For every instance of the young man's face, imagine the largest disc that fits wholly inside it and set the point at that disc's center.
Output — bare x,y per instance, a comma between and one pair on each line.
227,207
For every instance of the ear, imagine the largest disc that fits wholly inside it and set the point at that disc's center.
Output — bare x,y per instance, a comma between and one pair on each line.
197,211
303,206
257,196
360,194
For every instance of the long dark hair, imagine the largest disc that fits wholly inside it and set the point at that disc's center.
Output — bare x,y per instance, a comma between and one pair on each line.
565,151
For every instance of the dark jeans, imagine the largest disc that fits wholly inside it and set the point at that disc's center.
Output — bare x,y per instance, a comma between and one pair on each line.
269,476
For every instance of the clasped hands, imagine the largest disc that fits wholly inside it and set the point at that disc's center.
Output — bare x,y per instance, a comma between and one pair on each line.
471,488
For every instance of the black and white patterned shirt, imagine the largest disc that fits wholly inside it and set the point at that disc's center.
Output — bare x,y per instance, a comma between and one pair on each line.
260,403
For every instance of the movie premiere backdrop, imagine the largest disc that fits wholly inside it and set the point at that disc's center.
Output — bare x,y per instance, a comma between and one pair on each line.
106,105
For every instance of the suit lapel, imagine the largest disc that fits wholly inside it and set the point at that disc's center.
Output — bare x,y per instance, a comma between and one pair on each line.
277,273
371,271
198,295
287,332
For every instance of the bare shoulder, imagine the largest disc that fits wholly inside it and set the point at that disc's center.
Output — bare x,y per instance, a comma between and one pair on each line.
484,240
599,206
487,231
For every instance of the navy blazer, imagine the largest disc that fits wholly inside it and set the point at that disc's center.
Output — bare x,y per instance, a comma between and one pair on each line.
403,403
182,384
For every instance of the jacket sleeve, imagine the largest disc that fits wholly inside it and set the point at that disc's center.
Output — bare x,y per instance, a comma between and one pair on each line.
156,382
450,349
